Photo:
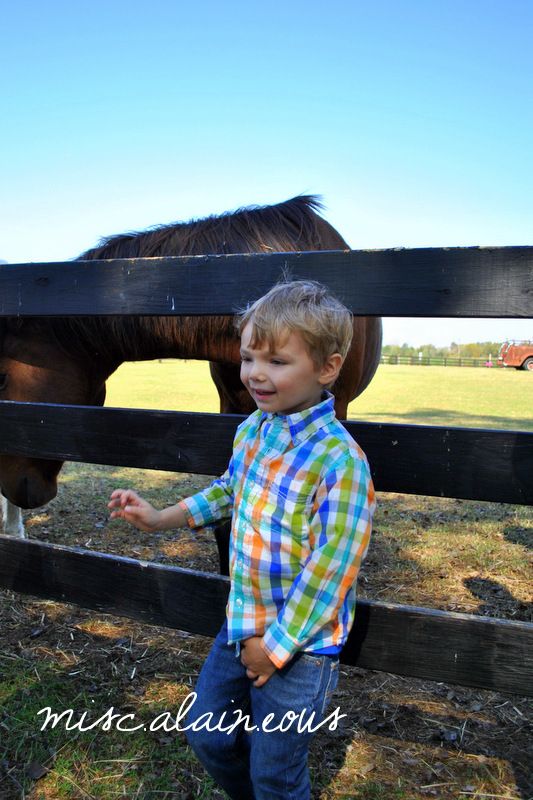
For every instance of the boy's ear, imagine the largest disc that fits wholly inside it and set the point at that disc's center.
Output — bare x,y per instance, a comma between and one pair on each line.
331,368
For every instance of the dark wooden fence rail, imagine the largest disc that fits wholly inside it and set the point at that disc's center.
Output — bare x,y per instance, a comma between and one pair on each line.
426,282
454,462
438,645
467,463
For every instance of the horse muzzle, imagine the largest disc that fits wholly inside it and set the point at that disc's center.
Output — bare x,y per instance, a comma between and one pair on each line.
28,485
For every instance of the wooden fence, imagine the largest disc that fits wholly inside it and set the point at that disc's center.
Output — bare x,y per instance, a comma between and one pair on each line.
447,462
438,361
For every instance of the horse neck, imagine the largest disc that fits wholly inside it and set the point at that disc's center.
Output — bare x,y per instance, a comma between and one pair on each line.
146,338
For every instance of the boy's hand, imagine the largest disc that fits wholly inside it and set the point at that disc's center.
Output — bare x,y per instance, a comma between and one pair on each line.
128,505
259,668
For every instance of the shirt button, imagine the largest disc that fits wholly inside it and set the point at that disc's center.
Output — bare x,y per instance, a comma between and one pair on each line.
238,602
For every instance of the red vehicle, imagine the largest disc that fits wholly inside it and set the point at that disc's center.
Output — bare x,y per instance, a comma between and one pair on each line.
516,354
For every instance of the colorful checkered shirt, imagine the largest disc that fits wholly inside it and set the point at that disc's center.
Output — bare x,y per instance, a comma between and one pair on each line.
301,498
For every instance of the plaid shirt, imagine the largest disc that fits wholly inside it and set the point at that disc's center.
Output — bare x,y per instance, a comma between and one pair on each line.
301,498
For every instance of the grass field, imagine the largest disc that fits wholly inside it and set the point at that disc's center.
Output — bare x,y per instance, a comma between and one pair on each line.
464,396
402,739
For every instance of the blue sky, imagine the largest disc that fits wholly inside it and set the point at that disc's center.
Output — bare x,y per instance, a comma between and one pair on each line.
413,119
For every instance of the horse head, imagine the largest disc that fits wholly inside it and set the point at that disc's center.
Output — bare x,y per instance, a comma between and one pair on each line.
33,368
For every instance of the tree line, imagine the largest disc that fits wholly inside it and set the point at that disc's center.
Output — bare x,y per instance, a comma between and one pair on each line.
454,350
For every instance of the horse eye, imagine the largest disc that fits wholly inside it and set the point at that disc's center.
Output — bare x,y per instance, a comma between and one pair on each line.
3,381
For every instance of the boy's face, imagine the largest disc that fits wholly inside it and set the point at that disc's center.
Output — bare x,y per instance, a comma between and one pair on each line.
284,380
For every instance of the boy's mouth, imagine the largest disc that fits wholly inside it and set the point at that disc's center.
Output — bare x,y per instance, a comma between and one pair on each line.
261,393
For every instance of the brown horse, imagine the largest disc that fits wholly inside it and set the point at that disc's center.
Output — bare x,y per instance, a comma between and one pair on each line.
68,360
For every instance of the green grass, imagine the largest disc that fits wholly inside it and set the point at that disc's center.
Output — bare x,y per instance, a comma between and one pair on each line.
449,396
174,385
144,764
462,396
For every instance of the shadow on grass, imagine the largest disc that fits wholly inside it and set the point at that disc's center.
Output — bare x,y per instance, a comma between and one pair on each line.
446,418
518,535
461,733
497,599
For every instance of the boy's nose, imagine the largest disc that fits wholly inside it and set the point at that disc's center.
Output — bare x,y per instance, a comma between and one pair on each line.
257,373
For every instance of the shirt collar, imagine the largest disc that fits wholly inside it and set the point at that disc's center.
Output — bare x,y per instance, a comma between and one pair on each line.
303,424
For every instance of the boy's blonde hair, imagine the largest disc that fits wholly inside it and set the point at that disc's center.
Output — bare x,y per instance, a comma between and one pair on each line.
304,307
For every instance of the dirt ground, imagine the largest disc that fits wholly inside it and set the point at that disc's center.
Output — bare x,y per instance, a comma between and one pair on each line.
400,738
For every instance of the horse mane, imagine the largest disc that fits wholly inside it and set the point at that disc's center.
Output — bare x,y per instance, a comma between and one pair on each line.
288,226
291,225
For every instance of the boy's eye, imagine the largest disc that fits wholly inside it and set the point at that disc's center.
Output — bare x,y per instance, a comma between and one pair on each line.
277,361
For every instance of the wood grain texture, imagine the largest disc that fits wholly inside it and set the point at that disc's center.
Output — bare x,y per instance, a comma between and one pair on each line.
422,282
420,642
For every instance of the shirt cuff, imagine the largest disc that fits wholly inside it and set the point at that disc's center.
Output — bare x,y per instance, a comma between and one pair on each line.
278,645
197,510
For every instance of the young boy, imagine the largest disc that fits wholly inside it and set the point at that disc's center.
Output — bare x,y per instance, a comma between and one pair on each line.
300,495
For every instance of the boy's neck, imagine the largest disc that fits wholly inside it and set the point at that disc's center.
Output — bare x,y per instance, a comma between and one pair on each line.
326,395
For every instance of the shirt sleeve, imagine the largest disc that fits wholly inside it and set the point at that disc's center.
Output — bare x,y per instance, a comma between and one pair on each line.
216,501
341,526
212,504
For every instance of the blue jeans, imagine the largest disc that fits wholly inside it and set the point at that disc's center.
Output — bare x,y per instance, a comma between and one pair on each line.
259,765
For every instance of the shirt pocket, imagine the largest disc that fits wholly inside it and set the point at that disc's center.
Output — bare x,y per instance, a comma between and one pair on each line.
282,513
